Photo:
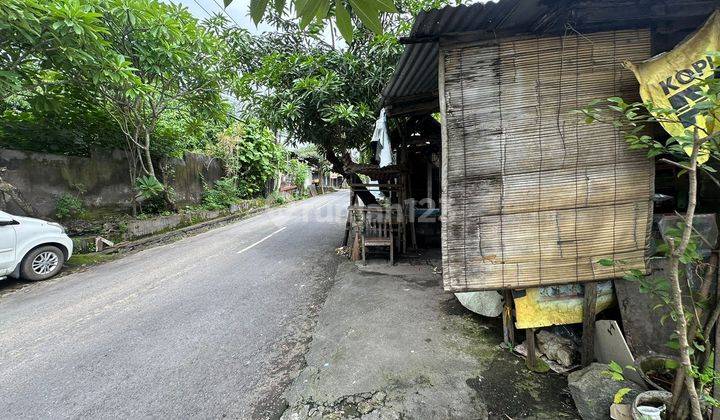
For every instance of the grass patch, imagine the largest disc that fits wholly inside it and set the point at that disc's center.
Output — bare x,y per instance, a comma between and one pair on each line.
84,260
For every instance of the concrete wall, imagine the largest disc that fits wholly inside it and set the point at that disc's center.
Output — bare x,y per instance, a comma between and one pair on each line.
42,178
188,176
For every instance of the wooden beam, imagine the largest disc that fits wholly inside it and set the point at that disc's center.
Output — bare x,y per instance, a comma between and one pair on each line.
425,103
385,186
406,40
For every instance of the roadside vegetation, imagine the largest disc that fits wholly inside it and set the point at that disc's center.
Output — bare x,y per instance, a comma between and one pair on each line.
695,314
148,78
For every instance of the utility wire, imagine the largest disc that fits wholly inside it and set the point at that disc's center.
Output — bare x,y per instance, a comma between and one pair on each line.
204,9
226,13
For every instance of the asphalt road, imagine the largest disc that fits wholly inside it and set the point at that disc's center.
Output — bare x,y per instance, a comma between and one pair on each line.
209,326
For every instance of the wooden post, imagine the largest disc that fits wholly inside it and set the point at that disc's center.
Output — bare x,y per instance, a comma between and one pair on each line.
430,202
507,317
588,334
348,224
531,361
716,362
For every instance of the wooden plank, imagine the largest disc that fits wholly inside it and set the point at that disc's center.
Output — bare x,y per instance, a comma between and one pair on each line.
443,164
587,351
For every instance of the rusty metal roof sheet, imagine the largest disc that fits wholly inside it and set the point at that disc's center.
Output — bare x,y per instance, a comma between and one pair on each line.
417,70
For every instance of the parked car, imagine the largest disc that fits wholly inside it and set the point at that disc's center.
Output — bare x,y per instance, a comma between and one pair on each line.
32,249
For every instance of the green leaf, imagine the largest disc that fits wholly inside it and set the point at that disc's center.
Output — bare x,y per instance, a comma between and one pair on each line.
307,8
615,367
227,2
382,5
673,344
672,364
617,399
279,6
606,262
369,15
342,18
313,9
257,9
704,105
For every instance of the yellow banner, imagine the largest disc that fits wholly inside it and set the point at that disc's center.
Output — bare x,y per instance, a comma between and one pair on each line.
674,80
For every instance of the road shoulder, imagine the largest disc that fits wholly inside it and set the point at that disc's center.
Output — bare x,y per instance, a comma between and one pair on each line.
397,346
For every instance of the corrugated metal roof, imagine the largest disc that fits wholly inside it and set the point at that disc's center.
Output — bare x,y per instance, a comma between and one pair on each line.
417,70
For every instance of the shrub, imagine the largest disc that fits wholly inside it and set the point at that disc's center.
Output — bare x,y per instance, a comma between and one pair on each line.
298,172
251,155
152,193
68,206
148,187
276,198
224,193
154,205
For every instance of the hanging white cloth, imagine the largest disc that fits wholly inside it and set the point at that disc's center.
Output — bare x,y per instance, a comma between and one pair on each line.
380,135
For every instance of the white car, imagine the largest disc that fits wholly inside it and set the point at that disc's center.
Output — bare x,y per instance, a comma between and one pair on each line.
32,249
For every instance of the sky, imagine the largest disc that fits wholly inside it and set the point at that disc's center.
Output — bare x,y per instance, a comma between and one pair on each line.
238,10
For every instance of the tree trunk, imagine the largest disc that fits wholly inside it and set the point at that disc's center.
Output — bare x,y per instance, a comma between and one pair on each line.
167,199
148,157
678,390
677,251
338,166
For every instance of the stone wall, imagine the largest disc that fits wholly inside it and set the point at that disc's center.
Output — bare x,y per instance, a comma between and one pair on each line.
42,178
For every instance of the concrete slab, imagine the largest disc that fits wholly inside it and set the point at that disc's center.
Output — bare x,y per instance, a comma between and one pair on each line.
396,346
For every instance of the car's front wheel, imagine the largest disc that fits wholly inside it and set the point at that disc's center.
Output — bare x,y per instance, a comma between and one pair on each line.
42,263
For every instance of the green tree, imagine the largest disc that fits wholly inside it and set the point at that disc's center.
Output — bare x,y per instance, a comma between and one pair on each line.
250,154
150,66
369,12
683,151
156,58
57,119
323,96
310,154
298,173
38,37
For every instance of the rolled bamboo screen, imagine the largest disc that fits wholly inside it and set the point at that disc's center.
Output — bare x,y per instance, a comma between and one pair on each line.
531,194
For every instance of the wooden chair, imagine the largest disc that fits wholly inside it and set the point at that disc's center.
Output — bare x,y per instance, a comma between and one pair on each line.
377,231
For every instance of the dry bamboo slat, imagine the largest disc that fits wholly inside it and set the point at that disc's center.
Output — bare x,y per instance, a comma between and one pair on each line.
531,194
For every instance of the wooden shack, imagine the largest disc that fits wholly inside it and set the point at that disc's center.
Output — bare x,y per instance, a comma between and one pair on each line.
531,194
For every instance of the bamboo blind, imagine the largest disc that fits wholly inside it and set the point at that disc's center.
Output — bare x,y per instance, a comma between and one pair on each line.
531,194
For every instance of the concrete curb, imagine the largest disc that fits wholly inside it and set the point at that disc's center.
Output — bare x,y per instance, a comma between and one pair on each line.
183,232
